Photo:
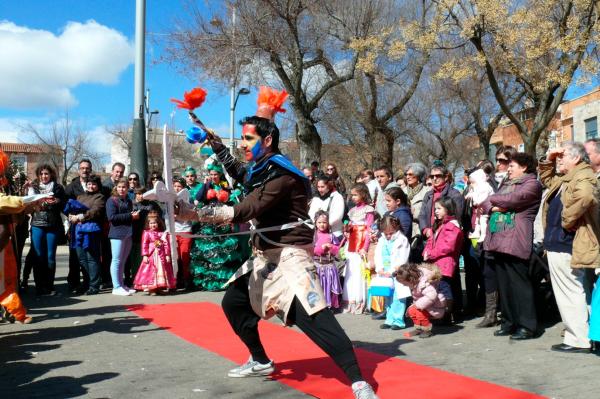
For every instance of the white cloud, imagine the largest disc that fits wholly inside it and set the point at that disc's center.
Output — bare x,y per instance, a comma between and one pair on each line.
39,68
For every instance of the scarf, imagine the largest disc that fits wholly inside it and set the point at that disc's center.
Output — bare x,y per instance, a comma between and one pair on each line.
411,192
46,188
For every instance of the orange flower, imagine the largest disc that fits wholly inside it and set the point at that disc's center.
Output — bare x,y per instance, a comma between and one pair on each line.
192,99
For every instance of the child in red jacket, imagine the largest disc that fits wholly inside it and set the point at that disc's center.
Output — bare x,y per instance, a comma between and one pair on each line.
444,245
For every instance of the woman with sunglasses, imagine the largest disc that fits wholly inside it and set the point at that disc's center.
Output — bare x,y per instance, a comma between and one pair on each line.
503,157
332,172
134,183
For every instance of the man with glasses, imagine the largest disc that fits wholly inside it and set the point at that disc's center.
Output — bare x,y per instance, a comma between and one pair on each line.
75,188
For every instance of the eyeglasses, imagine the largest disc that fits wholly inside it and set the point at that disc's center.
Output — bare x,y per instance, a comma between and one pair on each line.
409,174
502,160
437,176
133,179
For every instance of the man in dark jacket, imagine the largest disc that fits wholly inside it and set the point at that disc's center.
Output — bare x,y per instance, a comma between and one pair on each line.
73,190
280,278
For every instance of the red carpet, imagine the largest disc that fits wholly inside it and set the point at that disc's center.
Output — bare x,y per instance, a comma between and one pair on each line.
303,366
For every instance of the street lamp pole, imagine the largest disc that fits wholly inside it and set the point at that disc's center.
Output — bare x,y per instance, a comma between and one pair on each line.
233,103
139,153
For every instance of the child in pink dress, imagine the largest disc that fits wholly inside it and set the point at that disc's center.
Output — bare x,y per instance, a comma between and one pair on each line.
156,271
325,253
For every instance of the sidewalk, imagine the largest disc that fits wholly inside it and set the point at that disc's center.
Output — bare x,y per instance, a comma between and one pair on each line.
91,347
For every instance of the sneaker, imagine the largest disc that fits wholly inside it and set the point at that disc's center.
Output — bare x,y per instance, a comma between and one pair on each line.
252,369
121,292
131,290
362,390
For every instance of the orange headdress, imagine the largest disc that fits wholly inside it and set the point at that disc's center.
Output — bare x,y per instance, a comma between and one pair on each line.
4,164
192,99
270,102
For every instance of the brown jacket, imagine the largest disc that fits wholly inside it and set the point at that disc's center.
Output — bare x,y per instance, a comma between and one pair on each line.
579,197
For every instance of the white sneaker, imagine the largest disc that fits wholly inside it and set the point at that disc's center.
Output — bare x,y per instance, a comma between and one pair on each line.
252,369
121,292
131,290
362,390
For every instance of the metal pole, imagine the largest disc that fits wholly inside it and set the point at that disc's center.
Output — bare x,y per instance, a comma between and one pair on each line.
139,153
232,118
232,90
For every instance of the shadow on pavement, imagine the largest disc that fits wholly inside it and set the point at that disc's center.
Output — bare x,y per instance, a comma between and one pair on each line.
21,347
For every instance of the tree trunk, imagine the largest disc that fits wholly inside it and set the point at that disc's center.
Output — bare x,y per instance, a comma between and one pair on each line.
309,142
381,142
529,143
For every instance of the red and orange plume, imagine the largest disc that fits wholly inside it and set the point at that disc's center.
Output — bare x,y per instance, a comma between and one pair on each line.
270,102
192,99
4,164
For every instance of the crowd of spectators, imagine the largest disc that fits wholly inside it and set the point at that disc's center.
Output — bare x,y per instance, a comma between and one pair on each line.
473,244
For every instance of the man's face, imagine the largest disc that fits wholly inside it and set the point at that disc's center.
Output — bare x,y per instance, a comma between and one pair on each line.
117,172
190,179
85,169
594,155
382,178
566,162
252,143
308,173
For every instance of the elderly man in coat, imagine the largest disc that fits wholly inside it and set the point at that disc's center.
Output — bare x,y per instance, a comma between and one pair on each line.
571,231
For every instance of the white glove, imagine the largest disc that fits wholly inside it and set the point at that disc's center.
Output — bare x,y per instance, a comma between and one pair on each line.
216,215
597,271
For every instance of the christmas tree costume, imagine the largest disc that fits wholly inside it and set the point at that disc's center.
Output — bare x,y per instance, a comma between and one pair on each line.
215,258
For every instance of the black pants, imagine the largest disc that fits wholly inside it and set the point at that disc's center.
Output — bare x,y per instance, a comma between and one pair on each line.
473,277
457,294
322,328
517,301
490,279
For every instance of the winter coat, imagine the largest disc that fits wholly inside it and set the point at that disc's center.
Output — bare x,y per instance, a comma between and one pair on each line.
74,189
49,214
426,296
416,203
427,207
118,212
443,247
579,197
522,196
405,218
96,203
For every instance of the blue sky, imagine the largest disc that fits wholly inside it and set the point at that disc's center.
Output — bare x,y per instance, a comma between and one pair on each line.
96,104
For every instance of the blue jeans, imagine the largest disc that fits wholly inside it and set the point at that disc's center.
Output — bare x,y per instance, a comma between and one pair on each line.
44,241
89,258
120,249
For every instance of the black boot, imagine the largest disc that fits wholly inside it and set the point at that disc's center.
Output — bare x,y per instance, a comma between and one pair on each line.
489,319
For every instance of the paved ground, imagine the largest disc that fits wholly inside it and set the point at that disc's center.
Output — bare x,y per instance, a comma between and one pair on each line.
90,347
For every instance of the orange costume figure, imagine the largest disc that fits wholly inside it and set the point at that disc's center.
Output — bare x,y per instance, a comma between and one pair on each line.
9,206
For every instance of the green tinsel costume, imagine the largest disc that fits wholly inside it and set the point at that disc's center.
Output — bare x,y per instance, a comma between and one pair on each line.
215,259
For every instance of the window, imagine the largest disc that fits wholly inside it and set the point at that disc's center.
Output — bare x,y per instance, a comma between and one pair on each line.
20,160
591,128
